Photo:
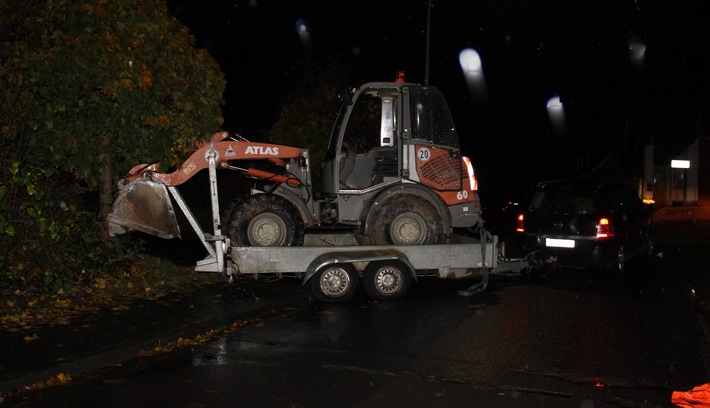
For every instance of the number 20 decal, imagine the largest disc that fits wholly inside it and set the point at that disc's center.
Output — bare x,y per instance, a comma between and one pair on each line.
423,154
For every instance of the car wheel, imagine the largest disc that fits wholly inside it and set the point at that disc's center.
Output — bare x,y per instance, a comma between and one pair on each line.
387,280
620,265
334,283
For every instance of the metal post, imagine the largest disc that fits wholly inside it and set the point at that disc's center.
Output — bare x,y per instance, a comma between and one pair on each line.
428,43
217,238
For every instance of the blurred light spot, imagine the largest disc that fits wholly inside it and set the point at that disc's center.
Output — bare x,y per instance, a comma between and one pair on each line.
472,69
637,49
554,103
637,53
556,112
303,29
470,61
597,382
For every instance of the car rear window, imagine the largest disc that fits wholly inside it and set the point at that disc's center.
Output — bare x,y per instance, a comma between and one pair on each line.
563,202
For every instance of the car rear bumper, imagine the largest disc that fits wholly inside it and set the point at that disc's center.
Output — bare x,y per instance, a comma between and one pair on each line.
586,254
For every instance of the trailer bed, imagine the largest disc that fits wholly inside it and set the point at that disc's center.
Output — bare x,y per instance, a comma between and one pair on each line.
459,260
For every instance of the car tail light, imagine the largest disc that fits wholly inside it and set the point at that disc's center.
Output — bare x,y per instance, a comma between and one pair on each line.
520,225
604,229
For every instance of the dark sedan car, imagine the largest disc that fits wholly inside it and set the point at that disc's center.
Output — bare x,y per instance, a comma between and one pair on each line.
585,224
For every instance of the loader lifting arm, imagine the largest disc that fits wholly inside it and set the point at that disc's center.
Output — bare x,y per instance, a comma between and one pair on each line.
144,199
225,150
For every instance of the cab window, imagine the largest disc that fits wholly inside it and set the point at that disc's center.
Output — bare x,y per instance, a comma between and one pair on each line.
431,118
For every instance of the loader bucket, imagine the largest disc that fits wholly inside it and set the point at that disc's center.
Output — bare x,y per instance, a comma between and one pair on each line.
144,205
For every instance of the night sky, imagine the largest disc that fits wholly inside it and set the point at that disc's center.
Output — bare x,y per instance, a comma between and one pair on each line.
530,51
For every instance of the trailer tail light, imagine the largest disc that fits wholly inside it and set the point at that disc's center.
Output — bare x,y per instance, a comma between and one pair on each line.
519,223
473,183
605,229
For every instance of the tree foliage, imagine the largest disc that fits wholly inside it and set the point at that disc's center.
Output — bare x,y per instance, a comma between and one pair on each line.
89,89
307,111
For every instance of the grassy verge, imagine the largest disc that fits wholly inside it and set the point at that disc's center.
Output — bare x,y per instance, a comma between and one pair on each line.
147,278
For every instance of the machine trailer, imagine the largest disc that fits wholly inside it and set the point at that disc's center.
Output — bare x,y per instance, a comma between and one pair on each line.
334,264
394,182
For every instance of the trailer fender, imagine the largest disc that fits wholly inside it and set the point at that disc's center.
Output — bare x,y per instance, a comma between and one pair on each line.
364,257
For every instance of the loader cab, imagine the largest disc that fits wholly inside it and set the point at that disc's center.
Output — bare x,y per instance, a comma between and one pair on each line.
362,153
386,132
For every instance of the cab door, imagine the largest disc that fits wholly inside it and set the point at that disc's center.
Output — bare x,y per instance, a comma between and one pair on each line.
368,149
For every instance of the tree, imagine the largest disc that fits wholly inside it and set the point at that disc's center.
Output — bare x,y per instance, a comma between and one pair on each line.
306,111
88,90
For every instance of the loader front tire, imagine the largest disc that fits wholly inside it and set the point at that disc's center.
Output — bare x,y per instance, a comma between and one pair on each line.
227,210
266,220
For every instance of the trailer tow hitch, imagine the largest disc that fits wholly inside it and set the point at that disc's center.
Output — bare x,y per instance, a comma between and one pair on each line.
504,266
486,237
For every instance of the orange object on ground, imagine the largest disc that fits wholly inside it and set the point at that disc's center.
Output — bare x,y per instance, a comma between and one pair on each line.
697,397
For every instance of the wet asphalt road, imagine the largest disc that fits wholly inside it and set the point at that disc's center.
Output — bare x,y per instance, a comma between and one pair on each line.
575,339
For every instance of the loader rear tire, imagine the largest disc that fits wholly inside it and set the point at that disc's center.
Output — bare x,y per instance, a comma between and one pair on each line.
406,220
266,220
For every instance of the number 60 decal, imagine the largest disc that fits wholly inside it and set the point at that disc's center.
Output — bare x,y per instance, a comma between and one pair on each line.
423,154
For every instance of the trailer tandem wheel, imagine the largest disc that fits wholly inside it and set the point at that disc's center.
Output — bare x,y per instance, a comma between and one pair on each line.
387,280
334,282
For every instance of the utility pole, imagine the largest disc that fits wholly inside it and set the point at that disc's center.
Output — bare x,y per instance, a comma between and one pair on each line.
428,43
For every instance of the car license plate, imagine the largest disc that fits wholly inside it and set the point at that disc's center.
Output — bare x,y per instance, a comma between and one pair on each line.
559,243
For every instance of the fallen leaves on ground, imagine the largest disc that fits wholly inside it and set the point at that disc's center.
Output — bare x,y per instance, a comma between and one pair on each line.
20,311
25,312
198,340
235,325
60,378
181,343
